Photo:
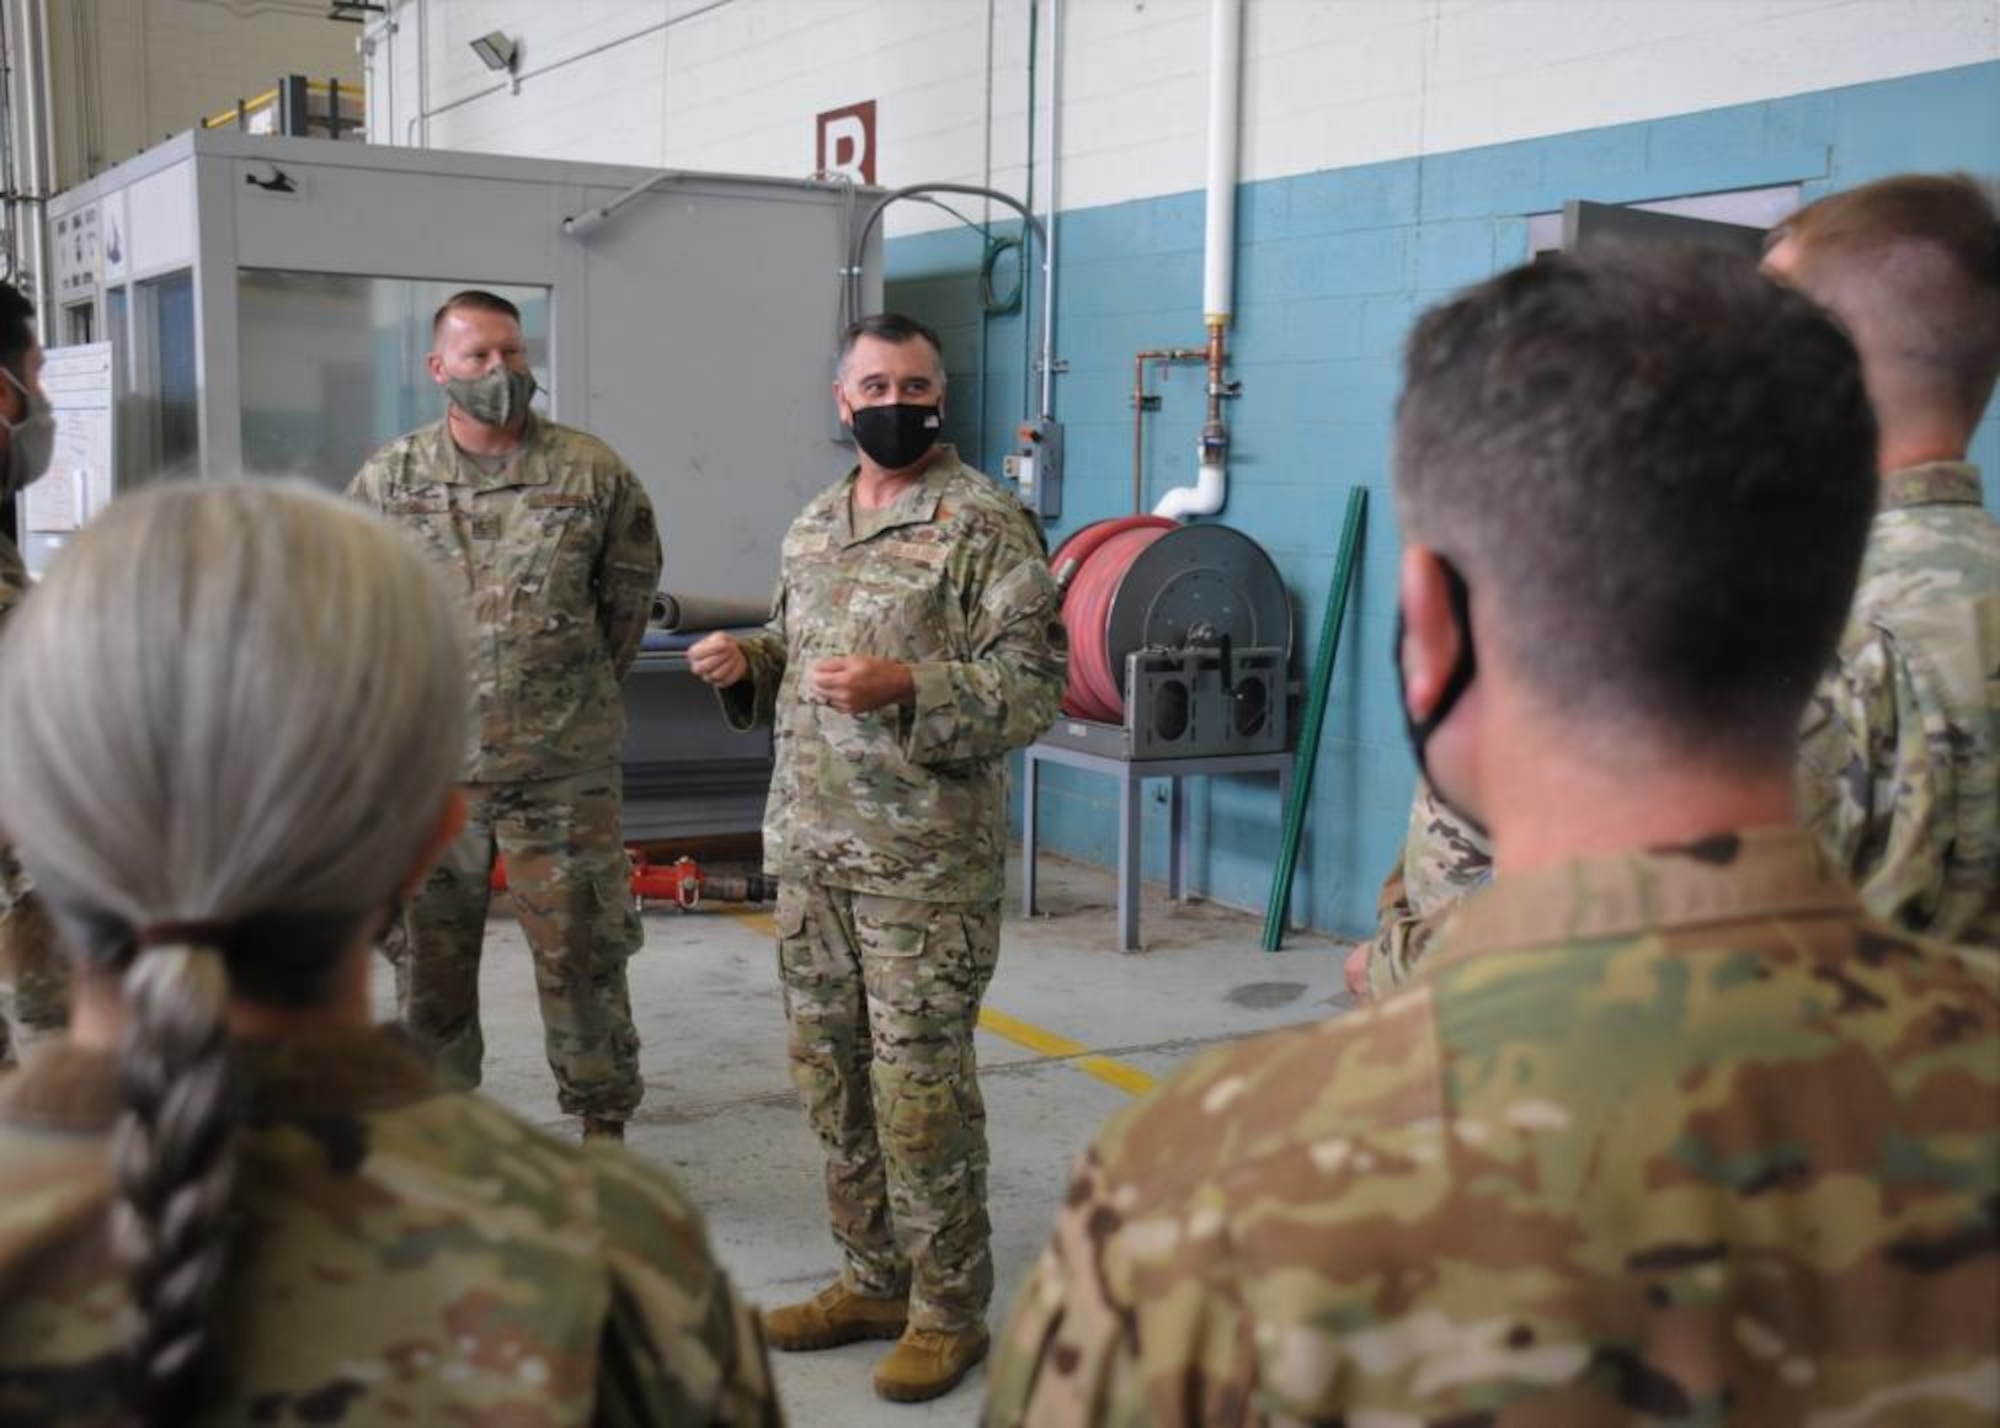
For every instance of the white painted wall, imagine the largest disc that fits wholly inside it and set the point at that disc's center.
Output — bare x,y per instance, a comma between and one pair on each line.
735,84
731,87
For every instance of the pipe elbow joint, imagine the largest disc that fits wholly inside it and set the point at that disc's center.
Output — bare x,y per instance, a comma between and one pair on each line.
582,225
1203,498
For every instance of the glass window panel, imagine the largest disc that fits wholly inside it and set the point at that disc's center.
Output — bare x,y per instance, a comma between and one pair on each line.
333,365
116,302
165,385
126,413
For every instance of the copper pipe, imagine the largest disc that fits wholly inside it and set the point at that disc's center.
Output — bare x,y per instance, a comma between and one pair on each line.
1214,435
1162,355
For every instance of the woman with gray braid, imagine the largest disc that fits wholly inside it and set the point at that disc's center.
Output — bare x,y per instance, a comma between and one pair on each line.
231,717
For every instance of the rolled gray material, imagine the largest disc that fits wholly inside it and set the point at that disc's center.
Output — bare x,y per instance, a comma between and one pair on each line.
678,614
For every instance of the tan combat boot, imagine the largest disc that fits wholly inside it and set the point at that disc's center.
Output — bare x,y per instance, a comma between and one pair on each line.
928,1362
834,1316
598,1128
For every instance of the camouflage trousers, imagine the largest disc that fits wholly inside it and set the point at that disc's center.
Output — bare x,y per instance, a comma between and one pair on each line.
882,995
34,970
570,884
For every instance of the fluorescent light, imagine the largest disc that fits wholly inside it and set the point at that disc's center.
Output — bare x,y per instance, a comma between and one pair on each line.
496,51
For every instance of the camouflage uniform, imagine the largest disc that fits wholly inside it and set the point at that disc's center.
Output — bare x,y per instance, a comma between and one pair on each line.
887,831
1682,1136
1899,767
34,973
570,885
404,1256
34,970
1900,773
556,559
1443,860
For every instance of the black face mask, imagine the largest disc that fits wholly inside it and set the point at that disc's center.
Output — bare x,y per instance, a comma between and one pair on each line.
1463,670
895,437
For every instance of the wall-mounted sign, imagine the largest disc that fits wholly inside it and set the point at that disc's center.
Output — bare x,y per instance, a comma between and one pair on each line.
847,142
81,387
77,256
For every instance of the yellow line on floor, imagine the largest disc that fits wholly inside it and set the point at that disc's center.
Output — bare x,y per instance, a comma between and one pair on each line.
1129,1079
1022,1033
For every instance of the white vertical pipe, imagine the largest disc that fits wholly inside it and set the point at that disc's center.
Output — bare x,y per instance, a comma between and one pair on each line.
42,176
423,119
1049,240
1225,65
385,50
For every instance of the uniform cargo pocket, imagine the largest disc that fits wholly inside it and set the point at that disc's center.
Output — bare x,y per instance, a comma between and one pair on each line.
550,535
790,913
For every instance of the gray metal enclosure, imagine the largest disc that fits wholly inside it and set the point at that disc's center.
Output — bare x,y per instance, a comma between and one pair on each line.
268,302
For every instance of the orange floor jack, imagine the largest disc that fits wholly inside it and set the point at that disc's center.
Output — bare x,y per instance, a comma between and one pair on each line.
681,884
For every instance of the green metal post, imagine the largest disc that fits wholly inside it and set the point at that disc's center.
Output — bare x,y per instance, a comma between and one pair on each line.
1308,750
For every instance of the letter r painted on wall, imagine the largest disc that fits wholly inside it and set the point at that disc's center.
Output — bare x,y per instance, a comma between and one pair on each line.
847,142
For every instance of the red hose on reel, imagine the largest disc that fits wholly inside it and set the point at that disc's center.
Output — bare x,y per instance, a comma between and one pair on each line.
1101,554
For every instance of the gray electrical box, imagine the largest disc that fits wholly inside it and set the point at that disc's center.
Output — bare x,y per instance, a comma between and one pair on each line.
1036,466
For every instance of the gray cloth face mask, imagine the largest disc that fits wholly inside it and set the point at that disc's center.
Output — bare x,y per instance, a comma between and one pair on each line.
31,441
494,399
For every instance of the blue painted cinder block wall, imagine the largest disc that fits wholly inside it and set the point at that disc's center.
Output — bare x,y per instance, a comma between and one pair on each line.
1331,269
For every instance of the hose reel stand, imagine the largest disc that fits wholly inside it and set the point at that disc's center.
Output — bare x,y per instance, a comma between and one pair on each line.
1180,642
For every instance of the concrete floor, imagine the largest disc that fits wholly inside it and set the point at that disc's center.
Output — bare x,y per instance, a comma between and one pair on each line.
1084,1025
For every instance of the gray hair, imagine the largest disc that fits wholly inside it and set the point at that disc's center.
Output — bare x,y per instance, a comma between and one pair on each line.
894,329
233,709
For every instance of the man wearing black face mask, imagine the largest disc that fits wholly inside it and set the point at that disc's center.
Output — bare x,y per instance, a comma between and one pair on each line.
1897,765
34,980
915,639
549,539
1671,1129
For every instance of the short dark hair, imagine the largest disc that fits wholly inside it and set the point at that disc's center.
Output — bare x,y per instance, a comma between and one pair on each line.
17,329
890,327
1912,265
473,300
1657,467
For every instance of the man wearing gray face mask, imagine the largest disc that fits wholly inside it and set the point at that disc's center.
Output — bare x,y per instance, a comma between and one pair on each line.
549,539
34,982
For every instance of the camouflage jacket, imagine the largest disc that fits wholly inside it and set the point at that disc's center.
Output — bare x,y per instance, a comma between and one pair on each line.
1682,1136
14,883
1443,860
13,578
403,1256
907,801
556,559
1900,767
